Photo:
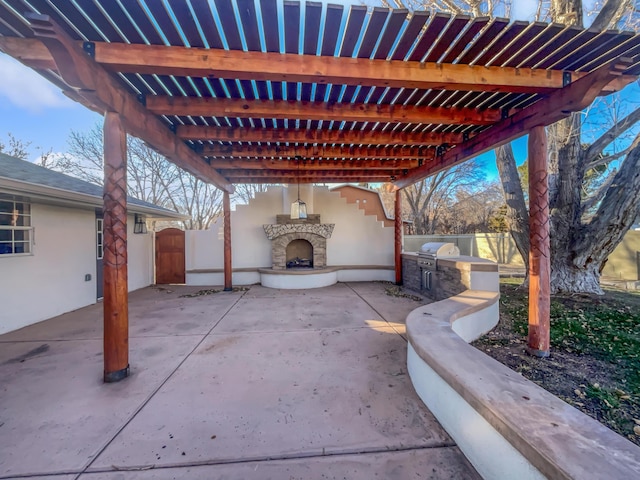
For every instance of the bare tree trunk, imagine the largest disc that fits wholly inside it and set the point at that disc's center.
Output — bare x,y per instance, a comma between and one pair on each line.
517,217
607,14
565,186
578,250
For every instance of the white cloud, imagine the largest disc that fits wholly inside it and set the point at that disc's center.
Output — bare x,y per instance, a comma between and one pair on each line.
524,9
24,88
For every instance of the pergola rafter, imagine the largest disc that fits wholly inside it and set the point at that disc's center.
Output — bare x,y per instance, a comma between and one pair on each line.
350,112
335,164
316,136
317,152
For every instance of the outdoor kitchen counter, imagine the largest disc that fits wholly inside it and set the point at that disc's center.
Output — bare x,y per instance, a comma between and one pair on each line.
453,275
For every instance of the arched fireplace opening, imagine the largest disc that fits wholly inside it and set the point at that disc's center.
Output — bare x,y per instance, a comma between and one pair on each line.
299,254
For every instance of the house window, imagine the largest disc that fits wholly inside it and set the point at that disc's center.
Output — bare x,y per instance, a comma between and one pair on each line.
99,238
16,232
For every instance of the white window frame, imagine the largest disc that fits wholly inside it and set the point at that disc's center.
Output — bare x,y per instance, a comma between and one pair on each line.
29,243
99,238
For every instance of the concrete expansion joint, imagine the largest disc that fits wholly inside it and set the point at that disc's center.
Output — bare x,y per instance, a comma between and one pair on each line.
135,413
272,458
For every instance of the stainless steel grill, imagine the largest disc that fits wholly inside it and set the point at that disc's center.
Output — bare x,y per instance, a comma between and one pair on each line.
428,261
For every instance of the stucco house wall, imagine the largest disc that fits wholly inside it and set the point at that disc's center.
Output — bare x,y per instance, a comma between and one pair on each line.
140,257
51,280
60,272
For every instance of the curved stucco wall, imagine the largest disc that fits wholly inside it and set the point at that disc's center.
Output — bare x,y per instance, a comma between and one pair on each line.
506,425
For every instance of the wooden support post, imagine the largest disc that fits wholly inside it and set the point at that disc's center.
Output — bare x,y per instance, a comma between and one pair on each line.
398,236
115,303
226,207
539,251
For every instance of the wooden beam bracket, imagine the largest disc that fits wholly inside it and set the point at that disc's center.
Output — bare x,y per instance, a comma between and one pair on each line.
89,48
93,86
556,106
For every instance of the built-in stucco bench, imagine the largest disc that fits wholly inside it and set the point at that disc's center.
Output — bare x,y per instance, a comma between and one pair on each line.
507,426
294,278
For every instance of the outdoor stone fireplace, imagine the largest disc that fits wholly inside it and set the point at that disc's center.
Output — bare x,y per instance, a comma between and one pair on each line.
292,238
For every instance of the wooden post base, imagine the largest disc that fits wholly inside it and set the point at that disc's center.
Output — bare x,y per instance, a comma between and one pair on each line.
537,353
112,377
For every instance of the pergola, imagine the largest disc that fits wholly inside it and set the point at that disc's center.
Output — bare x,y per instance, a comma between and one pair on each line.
261,91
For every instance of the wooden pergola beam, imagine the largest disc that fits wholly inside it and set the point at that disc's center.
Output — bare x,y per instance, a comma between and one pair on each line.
330,137
95,88
316,151
318,175
314,164
349,112
560,104
304,180
229,64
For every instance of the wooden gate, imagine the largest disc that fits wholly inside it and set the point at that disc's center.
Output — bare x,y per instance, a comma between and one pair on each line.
170,267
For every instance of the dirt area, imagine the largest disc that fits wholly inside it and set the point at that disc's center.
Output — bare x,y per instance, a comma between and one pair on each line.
595,352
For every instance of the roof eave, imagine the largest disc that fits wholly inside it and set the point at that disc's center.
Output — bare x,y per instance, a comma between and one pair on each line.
58,196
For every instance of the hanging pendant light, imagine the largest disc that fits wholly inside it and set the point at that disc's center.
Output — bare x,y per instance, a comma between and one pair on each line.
298,208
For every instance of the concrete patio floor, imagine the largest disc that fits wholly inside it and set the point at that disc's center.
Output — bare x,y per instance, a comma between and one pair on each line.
252,384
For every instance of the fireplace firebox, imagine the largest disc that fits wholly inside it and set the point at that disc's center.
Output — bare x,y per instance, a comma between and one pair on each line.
308,240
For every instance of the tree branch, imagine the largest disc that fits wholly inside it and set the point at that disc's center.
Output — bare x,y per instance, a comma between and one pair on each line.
606,14
517,215
599,194
595,150
606,159
618,210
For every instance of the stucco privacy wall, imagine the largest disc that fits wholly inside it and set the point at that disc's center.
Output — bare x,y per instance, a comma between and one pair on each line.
624,261
250,247
52,280
357,239
498,247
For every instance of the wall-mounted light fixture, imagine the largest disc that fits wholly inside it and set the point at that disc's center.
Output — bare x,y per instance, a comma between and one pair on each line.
298,208
140,225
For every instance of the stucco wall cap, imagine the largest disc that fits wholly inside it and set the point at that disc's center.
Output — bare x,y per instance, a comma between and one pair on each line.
559,440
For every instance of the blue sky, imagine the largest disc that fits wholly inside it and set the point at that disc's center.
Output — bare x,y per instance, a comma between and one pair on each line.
34,110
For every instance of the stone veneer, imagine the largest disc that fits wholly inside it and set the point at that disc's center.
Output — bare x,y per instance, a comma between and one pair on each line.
283,234
453,275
